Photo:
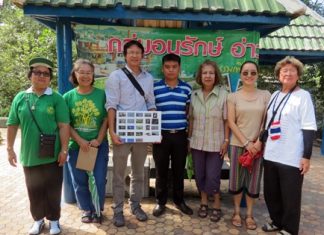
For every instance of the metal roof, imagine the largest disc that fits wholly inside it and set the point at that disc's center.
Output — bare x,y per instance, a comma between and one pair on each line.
269,7
264,16
303,38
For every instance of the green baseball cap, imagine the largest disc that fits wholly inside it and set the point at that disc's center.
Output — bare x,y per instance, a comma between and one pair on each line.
41,61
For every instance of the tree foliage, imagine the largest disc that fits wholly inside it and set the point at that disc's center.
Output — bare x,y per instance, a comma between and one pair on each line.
21,38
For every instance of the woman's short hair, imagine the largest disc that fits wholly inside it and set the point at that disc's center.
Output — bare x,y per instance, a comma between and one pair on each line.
289,60
76,66
218,75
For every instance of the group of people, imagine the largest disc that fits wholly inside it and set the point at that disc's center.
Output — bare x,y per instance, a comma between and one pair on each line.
207,122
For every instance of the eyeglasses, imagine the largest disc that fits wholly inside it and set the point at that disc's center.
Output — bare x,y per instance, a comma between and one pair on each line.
39,74
246,73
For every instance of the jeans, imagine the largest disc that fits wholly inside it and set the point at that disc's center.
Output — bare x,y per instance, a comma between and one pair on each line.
80,177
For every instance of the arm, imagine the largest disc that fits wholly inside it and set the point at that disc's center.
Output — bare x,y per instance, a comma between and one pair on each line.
224,146
11,136
308,137
102,133
150,98
111,122
64,132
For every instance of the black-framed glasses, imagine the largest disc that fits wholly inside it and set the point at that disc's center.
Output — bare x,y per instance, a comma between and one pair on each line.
246,73
39,74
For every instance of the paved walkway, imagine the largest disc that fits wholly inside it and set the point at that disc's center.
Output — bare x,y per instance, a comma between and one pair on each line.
15,217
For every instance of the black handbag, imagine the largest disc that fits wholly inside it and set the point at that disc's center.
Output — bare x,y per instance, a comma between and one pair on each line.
46,141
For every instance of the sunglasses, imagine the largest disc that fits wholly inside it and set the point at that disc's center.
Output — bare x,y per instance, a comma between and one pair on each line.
39,74
246,73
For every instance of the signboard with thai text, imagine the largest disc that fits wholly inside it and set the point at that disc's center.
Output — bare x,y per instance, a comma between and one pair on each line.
103,45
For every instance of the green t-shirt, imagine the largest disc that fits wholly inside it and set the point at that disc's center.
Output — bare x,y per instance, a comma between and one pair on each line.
49,110
87,112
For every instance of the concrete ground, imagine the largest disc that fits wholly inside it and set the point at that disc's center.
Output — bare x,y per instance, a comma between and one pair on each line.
16,219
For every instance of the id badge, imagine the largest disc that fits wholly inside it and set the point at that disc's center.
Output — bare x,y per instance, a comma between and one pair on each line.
275,130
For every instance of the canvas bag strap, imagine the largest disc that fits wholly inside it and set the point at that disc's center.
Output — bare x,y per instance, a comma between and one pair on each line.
133,81
31,112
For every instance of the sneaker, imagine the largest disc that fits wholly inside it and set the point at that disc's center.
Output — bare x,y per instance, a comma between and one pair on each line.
37,227
139,214
55,227
119,219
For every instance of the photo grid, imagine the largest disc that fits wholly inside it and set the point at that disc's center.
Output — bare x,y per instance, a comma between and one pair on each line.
139,126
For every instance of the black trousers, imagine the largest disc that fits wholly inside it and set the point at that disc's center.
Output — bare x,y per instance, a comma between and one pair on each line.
282,193
44,186
173,147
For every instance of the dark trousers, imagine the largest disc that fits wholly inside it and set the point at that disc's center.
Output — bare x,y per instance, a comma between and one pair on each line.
282,193
44,187
173,147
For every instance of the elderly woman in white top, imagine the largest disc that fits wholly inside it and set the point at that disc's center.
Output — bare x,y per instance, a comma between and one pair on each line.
288,148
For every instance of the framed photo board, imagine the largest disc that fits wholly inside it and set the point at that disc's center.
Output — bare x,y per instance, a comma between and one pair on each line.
138,126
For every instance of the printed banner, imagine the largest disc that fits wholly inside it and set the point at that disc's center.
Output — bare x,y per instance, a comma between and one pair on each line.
103,45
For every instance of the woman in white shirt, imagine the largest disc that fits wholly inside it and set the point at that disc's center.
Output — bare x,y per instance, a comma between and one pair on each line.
288,148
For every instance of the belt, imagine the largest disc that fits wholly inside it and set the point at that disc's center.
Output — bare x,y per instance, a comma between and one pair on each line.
173,131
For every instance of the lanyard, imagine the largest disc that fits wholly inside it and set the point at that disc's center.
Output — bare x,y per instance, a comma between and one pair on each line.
285,98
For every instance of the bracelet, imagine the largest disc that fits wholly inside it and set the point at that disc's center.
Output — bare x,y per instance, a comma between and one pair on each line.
226,140
188,138
246,143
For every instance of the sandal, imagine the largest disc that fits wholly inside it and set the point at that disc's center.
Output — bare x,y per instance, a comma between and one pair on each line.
96,218
203,211
236,220
86,217
250,223
269,227
216,215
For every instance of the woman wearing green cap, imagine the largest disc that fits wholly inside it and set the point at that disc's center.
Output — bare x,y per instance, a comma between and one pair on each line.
38,111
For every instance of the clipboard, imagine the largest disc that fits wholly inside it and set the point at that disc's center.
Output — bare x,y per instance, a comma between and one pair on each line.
86,160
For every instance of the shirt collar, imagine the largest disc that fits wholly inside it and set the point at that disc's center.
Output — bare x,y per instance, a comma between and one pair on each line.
129,69
215,91
178,84
48,91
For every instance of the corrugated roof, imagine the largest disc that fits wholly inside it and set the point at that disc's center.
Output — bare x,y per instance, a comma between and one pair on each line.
257,7
305,33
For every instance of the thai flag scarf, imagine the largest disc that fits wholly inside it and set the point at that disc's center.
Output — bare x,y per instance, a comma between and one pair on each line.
275,129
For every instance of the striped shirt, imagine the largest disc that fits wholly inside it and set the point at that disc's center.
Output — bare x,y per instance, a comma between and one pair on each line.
172,103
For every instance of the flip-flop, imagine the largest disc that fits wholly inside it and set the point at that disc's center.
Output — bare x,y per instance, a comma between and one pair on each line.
250,223
236,220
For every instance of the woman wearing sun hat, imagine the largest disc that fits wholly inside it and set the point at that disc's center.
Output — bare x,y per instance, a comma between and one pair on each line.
40,110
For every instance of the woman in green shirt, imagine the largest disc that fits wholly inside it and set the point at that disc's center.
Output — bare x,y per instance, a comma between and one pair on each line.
89,125
43,174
